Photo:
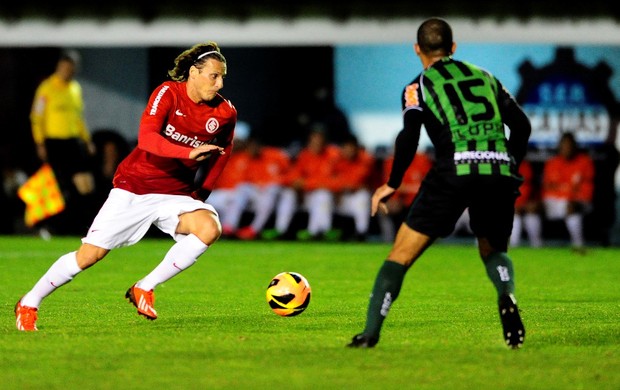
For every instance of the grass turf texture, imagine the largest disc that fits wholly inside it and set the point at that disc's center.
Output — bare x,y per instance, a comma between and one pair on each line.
216,331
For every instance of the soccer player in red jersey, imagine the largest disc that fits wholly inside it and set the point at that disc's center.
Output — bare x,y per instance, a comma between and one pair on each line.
184,141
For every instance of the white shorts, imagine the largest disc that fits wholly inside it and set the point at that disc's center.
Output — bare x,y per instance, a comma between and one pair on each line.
556,208
126,217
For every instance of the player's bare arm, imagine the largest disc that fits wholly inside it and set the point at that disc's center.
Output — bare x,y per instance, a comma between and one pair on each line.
379,199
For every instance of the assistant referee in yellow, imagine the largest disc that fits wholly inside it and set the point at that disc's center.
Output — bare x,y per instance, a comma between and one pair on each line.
63,140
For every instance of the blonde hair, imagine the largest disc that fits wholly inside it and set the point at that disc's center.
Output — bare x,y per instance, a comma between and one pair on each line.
196,55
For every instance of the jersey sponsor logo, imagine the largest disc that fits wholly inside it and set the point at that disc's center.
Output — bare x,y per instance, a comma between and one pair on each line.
173,134
483,130
212,125
179,113
411,95
157,100
480,155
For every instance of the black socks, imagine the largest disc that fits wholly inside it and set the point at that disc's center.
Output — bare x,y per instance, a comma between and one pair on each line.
385,291
500,271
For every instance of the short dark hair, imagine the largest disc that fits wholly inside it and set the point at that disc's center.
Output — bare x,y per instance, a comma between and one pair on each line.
568,136
435,36
351,139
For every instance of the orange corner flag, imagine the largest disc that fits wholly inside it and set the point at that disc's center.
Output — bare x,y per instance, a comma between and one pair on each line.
41,195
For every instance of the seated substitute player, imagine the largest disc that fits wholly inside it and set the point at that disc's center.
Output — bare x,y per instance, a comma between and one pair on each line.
185,137
307,187
399,203
527,210
464,109
350,184
568,187
226,189
261,190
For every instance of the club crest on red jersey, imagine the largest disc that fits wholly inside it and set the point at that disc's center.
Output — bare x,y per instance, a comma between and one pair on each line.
212,125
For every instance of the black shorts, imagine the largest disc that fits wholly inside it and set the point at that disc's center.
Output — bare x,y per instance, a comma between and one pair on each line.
67,157
442,199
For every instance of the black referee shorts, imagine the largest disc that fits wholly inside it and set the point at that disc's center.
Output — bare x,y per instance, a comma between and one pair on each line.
67,157
443,198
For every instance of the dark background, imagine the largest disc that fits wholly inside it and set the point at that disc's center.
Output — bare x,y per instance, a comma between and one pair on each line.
269,85
342,9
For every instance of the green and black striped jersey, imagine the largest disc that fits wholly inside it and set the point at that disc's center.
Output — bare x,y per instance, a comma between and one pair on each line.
464,109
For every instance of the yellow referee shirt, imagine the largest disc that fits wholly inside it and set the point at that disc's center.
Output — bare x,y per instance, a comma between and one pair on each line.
57,111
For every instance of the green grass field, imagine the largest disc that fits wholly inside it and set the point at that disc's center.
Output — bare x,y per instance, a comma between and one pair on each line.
216,331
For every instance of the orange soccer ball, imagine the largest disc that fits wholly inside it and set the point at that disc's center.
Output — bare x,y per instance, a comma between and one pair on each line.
288,294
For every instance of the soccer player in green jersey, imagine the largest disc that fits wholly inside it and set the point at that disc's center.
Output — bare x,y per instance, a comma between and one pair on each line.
464,110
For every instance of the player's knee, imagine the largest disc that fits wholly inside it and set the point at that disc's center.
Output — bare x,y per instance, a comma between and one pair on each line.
488,246
89,254
209,229
402,257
